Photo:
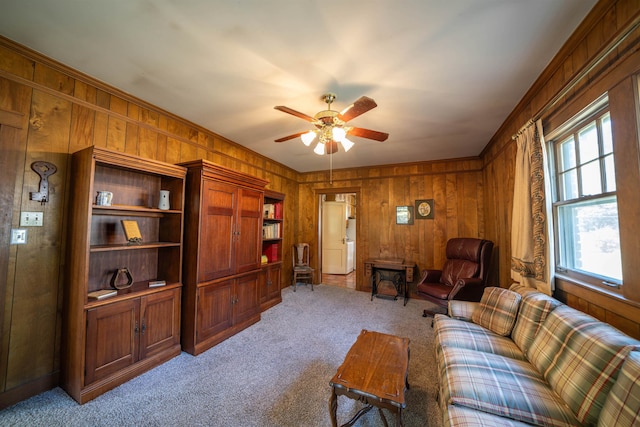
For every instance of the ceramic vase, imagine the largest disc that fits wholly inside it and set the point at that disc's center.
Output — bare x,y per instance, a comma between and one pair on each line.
164,200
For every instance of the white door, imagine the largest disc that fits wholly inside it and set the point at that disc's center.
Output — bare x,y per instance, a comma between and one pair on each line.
334,238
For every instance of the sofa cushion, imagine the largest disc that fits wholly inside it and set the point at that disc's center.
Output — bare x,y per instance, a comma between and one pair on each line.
622,407
462,310
460,334
523,289
497,310
534,309
461,416
580,358
500,386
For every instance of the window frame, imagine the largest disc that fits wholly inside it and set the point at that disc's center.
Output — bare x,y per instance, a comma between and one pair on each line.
592,114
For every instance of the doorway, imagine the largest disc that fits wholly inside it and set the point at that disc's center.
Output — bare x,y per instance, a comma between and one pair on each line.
337,238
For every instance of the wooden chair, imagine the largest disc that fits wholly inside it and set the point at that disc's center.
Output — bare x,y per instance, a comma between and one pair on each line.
302,271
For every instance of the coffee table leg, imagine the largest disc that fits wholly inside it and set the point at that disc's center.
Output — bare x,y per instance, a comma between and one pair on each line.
384,419
333,407
399,418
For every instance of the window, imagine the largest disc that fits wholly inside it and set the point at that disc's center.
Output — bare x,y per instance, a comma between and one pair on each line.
585,205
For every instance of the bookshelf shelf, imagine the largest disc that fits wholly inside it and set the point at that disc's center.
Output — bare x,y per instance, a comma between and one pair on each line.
102,338
272,231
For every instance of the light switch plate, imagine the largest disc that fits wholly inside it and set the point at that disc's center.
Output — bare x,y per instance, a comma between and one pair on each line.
18,236
31,219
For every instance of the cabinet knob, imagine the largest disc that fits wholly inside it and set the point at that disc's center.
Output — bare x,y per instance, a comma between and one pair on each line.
135,328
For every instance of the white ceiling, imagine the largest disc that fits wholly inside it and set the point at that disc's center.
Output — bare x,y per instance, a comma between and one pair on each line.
444,73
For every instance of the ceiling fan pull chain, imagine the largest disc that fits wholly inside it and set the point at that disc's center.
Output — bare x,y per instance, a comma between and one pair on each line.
331,168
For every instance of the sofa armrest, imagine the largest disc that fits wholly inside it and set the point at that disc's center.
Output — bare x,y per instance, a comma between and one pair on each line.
462,310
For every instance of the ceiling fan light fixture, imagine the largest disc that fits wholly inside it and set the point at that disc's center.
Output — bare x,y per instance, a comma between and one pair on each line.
332,128
307,138
338,133
346,144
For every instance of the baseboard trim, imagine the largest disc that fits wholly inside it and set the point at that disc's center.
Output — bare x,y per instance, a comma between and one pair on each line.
25,391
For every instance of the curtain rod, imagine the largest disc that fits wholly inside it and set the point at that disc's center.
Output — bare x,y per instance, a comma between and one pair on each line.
522,129
633,24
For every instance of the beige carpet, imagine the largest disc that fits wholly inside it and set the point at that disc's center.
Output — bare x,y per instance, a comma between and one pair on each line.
275,373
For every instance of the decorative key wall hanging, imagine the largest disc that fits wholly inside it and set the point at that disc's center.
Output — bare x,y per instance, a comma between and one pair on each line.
44,169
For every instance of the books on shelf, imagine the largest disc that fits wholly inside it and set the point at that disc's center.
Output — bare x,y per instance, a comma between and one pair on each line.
102,294
271,252
132,231
272,211
271,231
269,210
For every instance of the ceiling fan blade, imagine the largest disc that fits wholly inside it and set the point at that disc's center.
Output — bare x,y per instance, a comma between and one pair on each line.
361,106
294,113
369,134
286,138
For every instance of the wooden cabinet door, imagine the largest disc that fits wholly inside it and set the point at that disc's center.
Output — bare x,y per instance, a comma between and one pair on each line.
112,339
214,309
263,287
218,234
159,322
273,285
249,228
246,301
269,282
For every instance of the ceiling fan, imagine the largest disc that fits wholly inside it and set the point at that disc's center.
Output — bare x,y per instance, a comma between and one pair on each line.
331,125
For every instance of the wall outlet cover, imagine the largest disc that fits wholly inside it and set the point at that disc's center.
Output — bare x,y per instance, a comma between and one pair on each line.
18,236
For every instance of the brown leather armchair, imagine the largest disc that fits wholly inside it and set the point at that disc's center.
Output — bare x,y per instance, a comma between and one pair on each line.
463,276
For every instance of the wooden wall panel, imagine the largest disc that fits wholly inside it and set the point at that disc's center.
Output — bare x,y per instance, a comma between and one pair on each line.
65,111
15,98
35,316
601,25
82,126
456,187
624,107
498,205
13,140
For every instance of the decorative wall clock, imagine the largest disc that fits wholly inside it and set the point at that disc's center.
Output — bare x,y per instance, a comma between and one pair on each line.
424,209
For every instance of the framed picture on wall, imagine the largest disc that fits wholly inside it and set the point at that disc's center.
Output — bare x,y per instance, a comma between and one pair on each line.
424,209
404,215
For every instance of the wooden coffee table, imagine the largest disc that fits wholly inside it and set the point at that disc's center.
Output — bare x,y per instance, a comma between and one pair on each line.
374,372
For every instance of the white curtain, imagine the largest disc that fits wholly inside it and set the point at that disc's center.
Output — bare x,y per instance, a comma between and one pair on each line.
531,236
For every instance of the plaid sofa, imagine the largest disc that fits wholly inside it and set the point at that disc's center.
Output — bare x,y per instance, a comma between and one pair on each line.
520,357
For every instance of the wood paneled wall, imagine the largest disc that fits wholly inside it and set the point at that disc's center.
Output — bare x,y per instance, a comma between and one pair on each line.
603,24
61,112
456,186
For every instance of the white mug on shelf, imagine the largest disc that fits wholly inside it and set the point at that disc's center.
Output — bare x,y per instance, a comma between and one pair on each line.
164,200
104,198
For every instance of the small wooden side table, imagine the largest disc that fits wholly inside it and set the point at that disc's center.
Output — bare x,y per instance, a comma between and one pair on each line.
375,371
396,270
